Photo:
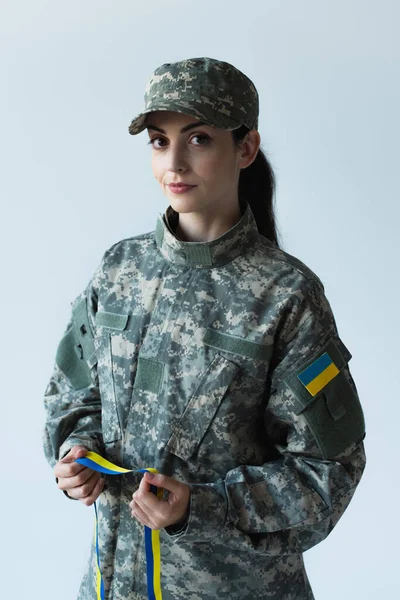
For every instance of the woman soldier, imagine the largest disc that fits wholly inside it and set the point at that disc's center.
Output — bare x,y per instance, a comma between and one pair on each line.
203,350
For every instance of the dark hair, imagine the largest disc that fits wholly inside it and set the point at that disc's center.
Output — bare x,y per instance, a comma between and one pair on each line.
257,185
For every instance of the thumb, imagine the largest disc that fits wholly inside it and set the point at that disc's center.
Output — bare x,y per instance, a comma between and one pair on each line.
74,453
163,481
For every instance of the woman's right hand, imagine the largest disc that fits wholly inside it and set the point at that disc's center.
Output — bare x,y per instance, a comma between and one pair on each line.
78,481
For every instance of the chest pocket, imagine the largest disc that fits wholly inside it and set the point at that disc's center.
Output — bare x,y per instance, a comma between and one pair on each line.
118,339
202,407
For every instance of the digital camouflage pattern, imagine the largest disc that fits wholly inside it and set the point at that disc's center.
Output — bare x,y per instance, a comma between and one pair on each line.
196,349
211,90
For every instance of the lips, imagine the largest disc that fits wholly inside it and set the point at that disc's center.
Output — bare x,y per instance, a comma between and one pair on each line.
179,188
180,185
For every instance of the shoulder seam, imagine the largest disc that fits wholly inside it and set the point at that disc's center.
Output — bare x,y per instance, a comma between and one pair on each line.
308,273
139,237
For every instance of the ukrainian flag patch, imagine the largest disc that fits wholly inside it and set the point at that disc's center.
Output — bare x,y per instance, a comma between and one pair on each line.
318,374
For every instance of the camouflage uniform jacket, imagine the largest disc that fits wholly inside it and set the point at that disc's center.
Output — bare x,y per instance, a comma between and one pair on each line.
186,357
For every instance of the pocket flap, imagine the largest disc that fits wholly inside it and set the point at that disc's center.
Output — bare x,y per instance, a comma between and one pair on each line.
236,345
111,320
202,407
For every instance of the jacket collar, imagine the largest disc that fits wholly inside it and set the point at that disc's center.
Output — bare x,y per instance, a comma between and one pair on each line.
213,253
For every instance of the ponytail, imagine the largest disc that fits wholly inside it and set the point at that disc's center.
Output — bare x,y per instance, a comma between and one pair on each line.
257,186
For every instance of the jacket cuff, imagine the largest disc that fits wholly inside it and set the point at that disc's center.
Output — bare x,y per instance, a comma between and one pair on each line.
177,528
70,442
207,514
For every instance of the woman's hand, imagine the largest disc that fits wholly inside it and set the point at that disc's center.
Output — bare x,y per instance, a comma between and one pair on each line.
155,512
78,481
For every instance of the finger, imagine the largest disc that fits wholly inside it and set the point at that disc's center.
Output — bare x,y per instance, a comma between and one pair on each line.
149,501
141,516
91,498
145,489
68,470
163,481
76,480
98,488
136,503
82,491
66,466
74,453
144,485
133,502
87,488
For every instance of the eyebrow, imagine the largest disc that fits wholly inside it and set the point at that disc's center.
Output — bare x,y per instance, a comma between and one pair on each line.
186,128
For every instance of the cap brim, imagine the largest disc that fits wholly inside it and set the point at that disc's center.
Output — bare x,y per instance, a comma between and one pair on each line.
208,115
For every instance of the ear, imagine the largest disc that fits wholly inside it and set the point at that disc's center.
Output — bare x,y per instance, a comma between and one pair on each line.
249,148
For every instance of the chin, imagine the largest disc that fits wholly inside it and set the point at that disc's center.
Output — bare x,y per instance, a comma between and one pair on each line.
183,204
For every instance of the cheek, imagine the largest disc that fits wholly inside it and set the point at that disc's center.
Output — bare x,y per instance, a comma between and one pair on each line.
156,168
207,166
215,168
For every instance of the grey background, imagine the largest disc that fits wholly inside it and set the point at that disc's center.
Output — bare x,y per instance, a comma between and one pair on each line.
74,181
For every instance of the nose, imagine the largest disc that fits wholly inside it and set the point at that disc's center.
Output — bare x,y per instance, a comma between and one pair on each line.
176,159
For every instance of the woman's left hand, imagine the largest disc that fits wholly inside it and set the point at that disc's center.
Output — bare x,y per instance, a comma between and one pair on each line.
155,512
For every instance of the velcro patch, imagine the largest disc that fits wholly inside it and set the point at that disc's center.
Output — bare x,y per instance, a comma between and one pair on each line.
317,375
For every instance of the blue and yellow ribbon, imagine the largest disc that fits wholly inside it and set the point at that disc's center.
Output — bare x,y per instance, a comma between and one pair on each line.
151,536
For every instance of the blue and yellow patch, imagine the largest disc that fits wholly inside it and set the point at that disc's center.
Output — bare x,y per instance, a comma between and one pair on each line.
317,375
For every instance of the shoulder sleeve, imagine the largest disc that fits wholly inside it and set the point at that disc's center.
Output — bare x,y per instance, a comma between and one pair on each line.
311,381
72,400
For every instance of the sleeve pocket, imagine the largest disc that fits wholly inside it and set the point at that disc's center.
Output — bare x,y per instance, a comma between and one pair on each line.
333,412
76,353
70,360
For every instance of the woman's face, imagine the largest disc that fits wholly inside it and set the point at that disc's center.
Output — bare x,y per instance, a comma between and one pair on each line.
185,151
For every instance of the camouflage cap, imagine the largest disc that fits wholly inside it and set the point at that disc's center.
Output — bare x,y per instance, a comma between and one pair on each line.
209,89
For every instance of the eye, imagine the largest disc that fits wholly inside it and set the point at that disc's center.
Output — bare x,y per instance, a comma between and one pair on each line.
203,137
151,142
